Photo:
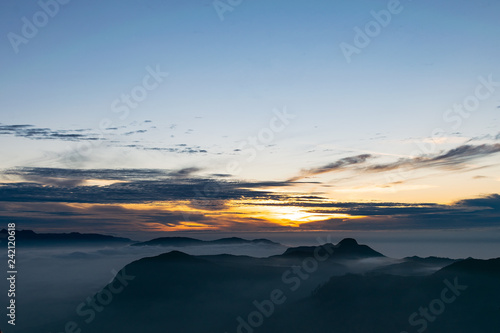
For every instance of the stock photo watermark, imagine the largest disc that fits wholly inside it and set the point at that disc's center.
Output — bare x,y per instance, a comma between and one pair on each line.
223,6
253,144
138,93
30,27
292,278
11,272
372,29
454,117
122,106
437,306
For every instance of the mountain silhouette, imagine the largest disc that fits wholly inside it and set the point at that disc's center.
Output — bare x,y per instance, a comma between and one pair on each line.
412,266
347,248
31,238
177,292
186,241
385,303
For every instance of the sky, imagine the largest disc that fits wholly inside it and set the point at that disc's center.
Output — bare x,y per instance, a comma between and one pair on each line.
232,116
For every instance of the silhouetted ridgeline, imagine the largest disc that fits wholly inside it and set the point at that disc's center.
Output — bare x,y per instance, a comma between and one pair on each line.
186,241
31,238
348,248
306,289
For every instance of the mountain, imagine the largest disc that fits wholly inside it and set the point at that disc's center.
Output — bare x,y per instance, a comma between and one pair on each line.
177,292
411,266
347,248
237,240
461,297
186,241
306,289
31,238
489,267
430,260
170,241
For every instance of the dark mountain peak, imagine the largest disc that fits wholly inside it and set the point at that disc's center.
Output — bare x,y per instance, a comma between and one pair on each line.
229,240
348,242
238,239
172,256
175,255
347,248
265,241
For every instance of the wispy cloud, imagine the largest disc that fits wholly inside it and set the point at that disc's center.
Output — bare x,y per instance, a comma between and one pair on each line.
338,165
183,150
454,158
495,137
84,174
135,132
37,133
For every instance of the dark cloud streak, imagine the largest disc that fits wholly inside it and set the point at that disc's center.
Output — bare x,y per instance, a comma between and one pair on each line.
34,133
452,159
338,165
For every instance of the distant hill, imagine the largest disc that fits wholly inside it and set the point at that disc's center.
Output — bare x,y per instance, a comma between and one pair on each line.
186,241
177,292
31,238
386,303
347,248
411,266
473,266
431,260
170,241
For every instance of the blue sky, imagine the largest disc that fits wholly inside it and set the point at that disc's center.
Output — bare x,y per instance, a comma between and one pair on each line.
228,78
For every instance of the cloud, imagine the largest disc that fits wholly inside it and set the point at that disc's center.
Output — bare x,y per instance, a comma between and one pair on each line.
486,137
63,182
490,202
61,175
469,213
480,212
112,218
186,172
28,173
182,198
338,165
135,132
188,150
465,153
222,175
453,158
35,133
134,186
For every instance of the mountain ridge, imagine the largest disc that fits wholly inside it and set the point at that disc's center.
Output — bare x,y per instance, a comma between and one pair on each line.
347,248
30,237
187,241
